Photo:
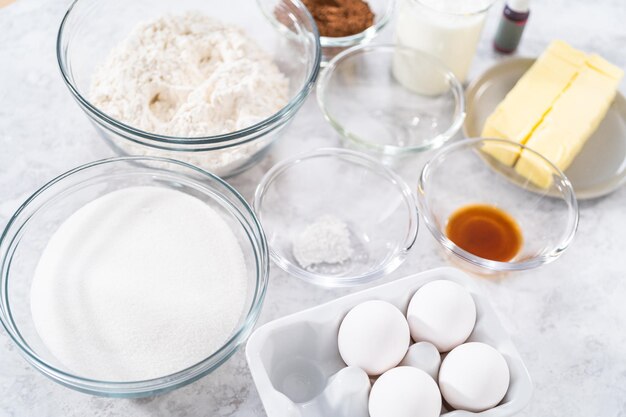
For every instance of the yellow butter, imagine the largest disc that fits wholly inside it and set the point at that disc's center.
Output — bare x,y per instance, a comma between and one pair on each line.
532,97
505,156
602,65
566,52
566,127
553,109
534,169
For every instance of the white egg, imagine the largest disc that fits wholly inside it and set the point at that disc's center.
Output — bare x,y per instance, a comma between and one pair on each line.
374,336
424,356
405,392
443,313
474,377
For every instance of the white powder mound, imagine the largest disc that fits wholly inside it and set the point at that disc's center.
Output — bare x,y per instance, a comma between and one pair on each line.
189,76
137,284
327,240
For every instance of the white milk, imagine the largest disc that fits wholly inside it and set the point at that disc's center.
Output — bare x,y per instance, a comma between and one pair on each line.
418,73
447,29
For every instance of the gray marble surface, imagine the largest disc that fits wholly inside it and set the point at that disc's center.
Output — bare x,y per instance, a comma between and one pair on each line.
567,318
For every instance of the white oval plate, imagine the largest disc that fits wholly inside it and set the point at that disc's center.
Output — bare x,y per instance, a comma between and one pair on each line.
599,168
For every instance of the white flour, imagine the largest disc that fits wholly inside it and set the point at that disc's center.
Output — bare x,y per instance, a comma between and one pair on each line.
189,76
137,284
327,240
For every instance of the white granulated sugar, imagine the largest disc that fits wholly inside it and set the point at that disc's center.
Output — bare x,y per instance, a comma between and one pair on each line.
137,284
189,76
327,240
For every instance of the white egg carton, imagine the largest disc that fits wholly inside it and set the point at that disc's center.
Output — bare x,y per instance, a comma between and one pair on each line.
293,359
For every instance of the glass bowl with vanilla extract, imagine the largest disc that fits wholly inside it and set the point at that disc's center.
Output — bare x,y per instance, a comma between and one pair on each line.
497,206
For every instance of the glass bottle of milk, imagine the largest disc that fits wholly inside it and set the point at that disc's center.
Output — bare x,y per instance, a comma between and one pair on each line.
447,29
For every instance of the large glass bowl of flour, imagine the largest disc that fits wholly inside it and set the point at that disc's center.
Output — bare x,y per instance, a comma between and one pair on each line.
208,82
132,276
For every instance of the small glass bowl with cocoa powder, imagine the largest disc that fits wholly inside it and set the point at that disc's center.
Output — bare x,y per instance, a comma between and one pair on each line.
346,23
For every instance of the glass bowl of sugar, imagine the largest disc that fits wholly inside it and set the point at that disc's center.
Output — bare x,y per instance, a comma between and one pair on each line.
336,217
207,82
129,277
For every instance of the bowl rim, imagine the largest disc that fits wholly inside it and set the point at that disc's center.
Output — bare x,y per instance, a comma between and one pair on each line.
435,142
140,388
364,161
369,33
569,198
159,141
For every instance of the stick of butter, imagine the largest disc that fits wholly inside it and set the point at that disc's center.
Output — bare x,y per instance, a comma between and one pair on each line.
532,97
553,109
571,121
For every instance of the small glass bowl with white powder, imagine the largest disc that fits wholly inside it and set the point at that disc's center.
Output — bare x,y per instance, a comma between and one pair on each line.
210,83
128,277
336,217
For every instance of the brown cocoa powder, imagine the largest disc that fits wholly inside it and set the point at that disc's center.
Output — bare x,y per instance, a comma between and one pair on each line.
336,18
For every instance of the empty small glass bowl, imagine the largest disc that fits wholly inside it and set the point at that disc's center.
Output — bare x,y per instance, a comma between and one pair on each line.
467,173
391,100
34,223
92,28
374,208
383,12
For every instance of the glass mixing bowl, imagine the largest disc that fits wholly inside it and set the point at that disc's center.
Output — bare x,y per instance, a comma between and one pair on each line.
91,28
376,206
32,226
391,100
465,173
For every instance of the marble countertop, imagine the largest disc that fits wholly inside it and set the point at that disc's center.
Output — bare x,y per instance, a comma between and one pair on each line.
567,318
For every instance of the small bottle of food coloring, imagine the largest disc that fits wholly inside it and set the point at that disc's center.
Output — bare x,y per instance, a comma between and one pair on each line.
511,25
